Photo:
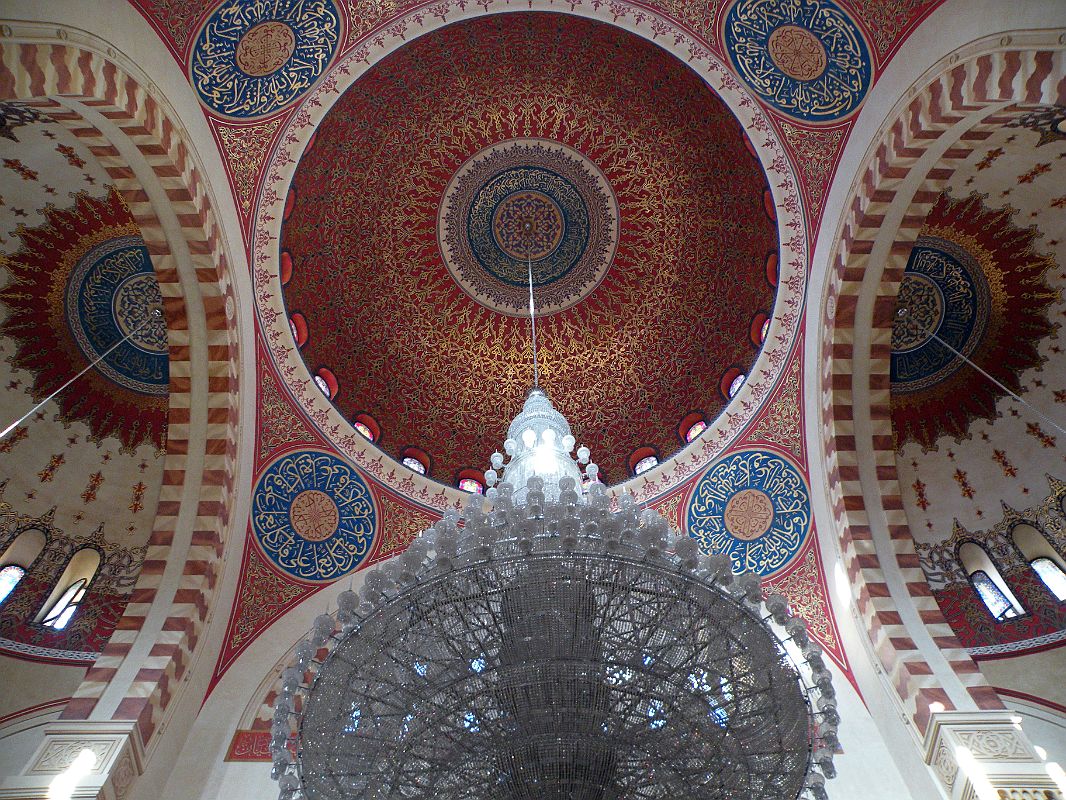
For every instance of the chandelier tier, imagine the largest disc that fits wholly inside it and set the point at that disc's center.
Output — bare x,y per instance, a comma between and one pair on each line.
555,645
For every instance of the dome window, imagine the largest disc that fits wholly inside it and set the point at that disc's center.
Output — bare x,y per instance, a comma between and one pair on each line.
413,463
326,381
691,426
645,464
760,326
298,326
415,459
470,480
368,426
642,459
732,380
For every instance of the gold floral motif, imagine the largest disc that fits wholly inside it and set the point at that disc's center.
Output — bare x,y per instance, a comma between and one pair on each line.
399,525
815,151
278,421
782,424
803,589
264,597
245,148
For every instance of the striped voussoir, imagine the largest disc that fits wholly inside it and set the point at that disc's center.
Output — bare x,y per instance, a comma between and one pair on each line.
63,79
984,83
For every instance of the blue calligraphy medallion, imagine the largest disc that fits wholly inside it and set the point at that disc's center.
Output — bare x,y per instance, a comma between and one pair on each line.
945,292
254,57
313,515
111,294
806,58
753,505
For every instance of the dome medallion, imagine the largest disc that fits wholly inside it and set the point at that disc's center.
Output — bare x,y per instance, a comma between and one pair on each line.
528,203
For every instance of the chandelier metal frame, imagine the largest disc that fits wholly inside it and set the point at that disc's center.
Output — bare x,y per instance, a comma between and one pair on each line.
559,647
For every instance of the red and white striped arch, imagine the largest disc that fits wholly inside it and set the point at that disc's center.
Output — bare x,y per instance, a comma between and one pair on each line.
144,151
984,86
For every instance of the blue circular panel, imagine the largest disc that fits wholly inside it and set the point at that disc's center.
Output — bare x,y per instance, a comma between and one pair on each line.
806,58
110,295
557,220
254,58
755,506
312,515
945,292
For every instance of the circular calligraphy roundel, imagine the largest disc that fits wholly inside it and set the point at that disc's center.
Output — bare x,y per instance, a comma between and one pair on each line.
313,516
806,58
252,59
109,299
753,505
946,293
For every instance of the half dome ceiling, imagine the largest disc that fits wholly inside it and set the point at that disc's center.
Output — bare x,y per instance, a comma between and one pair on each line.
541,141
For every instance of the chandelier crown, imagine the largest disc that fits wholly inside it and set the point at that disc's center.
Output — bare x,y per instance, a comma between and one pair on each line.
539,443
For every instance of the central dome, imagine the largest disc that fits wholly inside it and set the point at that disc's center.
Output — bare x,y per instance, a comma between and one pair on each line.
518,142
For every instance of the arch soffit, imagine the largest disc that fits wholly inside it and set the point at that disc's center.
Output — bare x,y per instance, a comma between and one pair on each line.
96,89
977,88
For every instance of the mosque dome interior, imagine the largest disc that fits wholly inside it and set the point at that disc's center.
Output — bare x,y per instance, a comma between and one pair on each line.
275,277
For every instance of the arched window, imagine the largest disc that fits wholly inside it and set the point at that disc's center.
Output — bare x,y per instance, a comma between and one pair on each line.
368,426
17,558
1052,576
645,464
415,458
1042,557
69,591
988,583
732,380
68,603
9,579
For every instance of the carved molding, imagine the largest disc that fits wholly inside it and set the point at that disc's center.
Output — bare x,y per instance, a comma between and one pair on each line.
119,761
1000,749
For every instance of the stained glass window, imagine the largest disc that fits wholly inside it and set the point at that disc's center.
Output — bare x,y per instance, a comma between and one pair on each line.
471,485
992,596
320,382
65,607
695,430
765,330
645,464
734,387
9,578
413,463
363,429
1050,573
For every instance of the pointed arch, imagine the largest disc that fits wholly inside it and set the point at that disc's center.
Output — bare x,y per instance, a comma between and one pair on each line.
89,87
1042,558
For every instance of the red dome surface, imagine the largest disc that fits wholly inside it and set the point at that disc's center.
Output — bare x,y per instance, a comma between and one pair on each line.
637,345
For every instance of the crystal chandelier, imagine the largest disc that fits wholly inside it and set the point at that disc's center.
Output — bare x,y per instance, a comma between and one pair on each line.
554,644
